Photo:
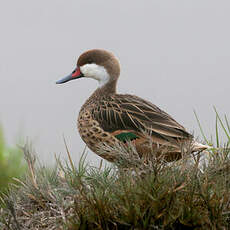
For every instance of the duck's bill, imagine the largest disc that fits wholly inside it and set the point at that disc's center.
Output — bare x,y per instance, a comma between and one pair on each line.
74,75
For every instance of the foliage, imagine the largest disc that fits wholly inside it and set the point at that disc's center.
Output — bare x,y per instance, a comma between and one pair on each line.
192,193
11,163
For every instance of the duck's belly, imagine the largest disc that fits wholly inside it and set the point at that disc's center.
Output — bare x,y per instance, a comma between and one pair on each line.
94,136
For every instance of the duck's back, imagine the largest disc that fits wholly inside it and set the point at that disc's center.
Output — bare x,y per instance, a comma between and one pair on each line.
125,112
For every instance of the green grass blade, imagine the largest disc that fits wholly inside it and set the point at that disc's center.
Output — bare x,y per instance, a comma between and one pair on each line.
69,156
217,134
227,123
228,126
201,130
221,123
82,165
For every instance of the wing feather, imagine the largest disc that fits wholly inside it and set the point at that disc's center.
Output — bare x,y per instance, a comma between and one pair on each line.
128,112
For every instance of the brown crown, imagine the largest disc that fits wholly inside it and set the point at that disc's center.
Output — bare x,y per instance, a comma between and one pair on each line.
102,58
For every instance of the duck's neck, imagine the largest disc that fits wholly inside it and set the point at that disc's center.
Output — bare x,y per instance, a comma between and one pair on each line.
108,89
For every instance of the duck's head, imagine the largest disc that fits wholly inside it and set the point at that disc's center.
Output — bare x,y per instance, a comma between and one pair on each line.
98,64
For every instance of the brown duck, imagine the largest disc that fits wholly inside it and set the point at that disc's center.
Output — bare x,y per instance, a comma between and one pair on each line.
110,118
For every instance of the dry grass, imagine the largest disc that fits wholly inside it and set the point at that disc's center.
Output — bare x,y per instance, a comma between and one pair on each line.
191,193
133,193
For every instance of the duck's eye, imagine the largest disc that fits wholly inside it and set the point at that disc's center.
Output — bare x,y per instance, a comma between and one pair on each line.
90,61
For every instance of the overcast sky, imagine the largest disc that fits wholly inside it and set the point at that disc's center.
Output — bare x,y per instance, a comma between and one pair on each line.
174,53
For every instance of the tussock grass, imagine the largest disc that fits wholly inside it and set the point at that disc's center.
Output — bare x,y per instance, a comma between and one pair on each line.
192,193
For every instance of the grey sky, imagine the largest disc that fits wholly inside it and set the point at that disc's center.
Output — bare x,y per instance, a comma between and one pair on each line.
174,53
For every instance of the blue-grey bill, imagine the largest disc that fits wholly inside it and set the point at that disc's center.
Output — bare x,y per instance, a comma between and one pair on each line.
65,79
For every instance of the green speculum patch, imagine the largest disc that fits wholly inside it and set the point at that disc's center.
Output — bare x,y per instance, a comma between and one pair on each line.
126,136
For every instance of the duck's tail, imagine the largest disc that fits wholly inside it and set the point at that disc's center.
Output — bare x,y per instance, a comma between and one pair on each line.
198,147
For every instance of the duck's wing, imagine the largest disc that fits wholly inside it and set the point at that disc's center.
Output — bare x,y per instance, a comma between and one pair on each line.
133,115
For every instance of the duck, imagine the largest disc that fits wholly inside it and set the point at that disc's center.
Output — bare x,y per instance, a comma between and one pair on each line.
110,119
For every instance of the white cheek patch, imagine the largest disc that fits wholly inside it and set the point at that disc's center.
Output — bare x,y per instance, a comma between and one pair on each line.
96,72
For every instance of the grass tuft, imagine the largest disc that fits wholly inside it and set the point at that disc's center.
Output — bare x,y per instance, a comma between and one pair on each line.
133,193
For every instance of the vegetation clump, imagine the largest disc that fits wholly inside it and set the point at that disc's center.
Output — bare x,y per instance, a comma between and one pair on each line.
12,163
133,193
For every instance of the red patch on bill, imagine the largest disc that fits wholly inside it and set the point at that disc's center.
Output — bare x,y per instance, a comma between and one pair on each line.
76,73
